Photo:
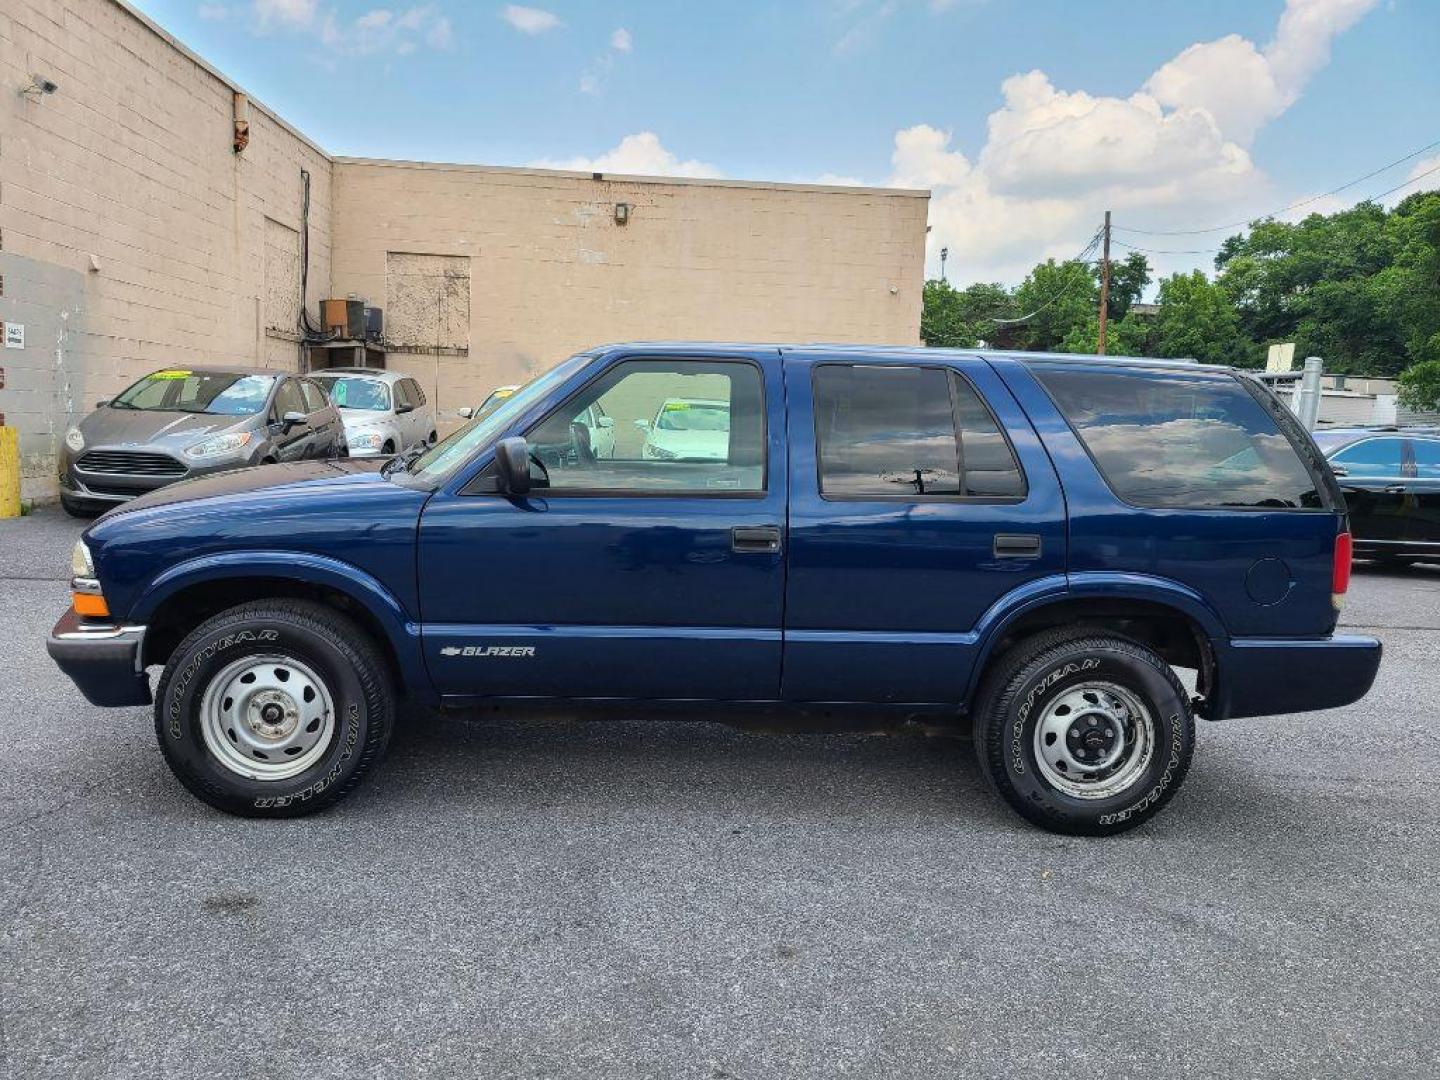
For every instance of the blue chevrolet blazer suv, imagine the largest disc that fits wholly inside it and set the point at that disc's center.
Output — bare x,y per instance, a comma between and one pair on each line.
1072,556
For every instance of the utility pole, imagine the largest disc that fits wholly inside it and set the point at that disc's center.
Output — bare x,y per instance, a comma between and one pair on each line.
1104,285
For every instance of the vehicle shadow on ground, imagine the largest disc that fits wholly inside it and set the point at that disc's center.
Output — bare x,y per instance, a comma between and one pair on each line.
1429,571
679,762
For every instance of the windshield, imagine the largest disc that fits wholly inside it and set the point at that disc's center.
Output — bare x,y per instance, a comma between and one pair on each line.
371,395
694,416
216,393
461,445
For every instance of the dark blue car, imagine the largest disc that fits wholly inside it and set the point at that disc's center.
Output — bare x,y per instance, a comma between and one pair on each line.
1031,544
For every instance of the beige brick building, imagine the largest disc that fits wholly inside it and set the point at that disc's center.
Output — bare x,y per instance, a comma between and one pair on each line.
133,235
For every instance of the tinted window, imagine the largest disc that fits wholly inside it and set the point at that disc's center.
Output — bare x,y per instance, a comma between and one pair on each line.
314,397
288,399
181,390
1373,457
1178,440
657,425
886,431
1427,458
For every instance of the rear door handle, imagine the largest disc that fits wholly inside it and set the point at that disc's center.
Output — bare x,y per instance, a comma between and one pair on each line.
761,538
1017,546
1394,489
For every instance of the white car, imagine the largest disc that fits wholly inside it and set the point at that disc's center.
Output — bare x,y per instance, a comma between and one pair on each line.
384,412
687,429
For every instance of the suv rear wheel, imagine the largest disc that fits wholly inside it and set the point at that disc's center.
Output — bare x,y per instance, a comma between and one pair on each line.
1083,732
274,709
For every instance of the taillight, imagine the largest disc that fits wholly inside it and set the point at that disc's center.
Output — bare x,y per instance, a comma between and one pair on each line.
1340,574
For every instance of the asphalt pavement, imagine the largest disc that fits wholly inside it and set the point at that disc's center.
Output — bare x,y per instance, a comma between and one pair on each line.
558,897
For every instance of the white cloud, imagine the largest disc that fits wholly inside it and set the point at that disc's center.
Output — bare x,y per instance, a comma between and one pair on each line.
530,20
213,12
641,154
1173,153
287,12
621,41
377,31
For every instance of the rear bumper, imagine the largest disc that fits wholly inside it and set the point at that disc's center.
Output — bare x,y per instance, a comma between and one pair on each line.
103,660
1264,677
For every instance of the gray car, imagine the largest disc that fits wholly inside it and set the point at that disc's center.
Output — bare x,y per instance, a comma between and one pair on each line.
184,422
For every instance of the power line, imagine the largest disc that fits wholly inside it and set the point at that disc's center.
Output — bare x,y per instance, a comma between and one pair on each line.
1302,202
1215,250
1085,252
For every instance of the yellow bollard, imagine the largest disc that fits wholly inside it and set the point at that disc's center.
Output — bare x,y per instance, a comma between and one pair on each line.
9,472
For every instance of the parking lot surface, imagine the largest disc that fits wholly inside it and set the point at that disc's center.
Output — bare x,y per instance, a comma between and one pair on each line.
550,896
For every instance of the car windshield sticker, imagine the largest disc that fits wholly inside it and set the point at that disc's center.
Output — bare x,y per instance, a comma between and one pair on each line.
172,375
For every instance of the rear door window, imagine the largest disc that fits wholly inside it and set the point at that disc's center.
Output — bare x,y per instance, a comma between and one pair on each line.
1372,457
889,431
1427,459
1176,440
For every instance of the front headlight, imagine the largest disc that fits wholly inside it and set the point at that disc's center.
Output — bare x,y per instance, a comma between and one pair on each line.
370,441
219,445
81,565
74,440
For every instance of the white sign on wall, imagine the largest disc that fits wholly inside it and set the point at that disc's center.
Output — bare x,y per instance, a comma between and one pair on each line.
14,335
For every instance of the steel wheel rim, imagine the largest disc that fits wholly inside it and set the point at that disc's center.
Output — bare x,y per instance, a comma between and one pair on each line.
1094,741
267,717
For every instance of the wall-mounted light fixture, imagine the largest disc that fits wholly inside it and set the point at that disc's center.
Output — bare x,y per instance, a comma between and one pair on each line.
622,213
38,87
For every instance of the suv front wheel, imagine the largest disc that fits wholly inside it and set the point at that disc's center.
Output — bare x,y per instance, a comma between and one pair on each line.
274,709
1083,732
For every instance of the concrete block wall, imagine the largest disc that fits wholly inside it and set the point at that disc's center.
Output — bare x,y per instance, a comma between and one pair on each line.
551,272
132,236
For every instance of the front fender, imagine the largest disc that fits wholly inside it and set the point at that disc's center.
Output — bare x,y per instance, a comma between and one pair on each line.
402,632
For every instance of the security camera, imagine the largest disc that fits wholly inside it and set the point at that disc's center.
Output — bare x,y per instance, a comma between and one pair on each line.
39,85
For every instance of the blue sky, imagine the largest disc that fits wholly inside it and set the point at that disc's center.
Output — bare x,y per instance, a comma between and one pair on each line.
1027,119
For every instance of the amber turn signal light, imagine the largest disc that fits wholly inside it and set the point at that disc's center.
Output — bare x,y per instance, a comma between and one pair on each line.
90,605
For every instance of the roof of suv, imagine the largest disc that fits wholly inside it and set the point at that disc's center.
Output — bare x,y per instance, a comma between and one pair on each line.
917,353
369,373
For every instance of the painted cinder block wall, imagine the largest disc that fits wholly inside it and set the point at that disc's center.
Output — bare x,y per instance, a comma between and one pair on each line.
132,237
550,271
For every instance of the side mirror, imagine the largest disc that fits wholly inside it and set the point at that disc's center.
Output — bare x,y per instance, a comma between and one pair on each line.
512,462
102,404
606,422
404,407
291,419
1339,470
467,413
643,425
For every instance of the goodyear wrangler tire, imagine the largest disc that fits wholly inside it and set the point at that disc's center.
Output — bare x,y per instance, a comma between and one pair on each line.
1084,733
276,708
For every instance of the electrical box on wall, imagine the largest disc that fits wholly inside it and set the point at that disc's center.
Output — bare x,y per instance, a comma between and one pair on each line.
344,318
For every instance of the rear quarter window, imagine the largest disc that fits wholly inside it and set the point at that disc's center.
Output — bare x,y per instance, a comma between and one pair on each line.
1174,440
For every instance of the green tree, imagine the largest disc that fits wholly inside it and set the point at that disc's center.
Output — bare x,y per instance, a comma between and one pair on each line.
1058,298
1420,385
961,318
1198,321
1129,336
1128,279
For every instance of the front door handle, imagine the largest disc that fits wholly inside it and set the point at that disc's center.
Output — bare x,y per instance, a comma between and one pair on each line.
755,538
1017,546
1395,489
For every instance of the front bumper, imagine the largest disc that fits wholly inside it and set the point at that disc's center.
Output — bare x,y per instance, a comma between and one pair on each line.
1267,676
102,659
